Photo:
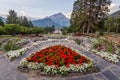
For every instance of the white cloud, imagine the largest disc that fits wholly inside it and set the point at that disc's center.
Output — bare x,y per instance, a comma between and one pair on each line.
3,14
114,7
23,13
68,15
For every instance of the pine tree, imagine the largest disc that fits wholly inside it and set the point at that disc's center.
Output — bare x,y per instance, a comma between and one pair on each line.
30,23
12,17
118,22
23,21
88,14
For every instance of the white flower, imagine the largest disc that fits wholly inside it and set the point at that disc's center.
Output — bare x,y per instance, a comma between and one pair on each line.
108,56
53,70
23,63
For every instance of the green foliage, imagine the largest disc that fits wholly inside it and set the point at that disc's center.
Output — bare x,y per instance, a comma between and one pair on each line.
87,17
104,45
109,24
65,30
1,30
24,30
11,45
100,33
109,48
23,21
118,22
112,24
49,29
12,17
12,29
95,45
35,30
78,41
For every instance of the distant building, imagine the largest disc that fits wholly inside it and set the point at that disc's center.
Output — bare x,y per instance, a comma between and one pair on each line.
57,31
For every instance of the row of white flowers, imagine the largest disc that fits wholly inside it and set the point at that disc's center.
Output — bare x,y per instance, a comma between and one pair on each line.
108,56
53,70
16,53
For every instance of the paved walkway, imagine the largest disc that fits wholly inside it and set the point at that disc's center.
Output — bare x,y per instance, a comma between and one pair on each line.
9,72
108,71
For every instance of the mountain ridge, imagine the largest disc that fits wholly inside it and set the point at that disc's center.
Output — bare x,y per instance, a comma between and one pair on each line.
44,22
3,19
58,20
115,14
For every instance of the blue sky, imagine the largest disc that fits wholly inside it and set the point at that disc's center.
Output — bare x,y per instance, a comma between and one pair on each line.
42,8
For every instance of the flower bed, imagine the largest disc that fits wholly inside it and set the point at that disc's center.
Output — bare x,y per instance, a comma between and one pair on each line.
106,50
108,56
12,55
57,60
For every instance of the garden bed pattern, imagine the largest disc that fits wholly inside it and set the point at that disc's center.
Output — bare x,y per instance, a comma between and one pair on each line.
58,60
107,50
108,71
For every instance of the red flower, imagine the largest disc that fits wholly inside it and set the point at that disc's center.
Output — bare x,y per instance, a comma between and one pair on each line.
58,55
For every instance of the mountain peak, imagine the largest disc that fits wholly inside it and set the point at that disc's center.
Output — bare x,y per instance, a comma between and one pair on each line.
60,19
59,13
3,19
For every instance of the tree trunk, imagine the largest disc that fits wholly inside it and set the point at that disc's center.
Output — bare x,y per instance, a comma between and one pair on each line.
108,29
117,29
88,29
83,28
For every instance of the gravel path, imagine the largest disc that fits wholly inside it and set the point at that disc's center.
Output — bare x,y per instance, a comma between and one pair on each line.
108,71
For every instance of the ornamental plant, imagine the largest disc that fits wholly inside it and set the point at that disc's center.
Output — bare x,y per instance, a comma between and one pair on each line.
104,45
59,56
57,59
106,50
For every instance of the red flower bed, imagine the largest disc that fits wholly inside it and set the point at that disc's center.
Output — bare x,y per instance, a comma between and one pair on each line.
59,56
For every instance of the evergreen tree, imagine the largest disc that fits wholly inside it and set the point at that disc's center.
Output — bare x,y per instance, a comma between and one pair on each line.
109,24
12,17
87,14
30,23
1,22
23,21
118,22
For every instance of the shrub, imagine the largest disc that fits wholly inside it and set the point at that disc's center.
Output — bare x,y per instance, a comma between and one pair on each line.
104,45
78,41
35,30
12,29
95,45
1,30
99,33
11,45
